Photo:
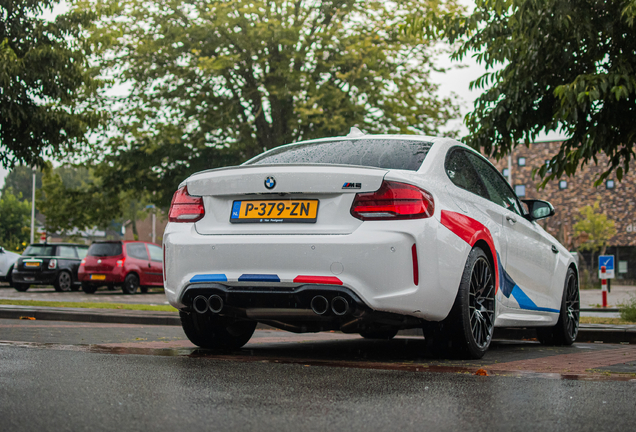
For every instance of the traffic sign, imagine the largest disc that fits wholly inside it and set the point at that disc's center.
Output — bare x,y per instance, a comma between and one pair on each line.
608,262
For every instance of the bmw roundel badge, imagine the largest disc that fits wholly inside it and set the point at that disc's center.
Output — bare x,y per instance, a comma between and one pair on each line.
270,182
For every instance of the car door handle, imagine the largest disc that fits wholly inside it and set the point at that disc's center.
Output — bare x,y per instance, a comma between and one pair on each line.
511,219
554,249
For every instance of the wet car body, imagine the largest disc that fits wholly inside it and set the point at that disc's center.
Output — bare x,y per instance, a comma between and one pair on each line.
366,234
7,261
49,264
130,265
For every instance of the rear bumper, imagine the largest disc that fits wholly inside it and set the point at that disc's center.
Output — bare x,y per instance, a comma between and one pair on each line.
374,263
115,276
45,277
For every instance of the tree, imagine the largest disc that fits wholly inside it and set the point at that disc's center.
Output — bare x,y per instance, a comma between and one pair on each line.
71,199
552,65
15,216
46,84
595,228
20,181
212,83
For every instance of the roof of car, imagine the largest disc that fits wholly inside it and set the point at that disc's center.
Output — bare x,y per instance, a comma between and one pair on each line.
58,244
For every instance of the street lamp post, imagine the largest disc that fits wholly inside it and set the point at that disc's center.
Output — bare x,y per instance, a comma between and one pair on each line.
33,208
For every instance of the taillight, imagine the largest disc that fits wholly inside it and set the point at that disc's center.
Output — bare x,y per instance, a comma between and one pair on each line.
52,264
393,200
83,262
120,263
185,208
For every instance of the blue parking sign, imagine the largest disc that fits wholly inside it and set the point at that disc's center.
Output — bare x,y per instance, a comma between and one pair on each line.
608,262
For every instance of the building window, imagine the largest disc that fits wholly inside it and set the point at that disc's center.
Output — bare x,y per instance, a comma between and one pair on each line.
520,190
609,184
521,161
563,184
505,172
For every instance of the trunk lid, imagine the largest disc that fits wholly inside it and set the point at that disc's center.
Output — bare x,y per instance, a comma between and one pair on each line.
331,187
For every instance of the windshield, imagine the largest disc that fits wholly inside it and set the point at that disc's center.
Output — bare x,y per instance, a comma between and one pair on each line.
379,153
38,250
104,249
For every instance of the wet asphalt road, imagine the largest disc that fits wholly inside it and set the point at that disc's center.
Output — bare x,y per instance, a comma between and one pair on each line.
70,376
53,390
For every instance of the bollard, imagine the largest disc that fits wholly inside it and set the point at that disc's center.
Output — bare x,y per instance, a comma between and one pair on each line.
603,286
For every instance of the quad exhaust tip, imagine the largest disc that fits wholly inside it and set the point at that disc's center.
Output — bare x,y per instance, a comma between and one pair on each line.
200,304
215,303
339,306
319,305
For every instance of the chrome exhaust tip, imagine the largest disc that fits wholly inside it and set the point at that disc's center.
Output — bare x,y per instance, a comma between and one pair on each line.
339,306
200,304
319,305
215,302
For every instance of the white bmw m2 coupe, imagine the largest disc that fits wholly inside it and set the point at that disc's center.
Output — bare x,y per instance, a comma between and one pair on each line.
366,234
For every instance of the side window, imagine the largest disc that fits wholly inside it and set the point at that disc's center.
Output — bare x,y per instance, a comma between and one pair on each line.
66,252
81,252
462,173
498,189
156,254
137,250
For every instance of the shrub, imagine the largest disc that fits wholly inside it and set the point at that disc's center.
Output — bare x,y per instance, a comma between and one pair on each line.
628,309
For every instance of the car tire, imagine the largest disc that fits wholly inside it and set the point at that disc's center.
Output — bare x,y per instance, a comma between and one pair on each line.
21,287
467,330
379,334
63,282
567,327
216,332
89,288
131,283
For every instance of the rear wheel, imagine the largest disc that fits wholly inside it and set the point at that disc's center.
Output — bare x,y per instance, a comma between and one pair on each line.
131,283
379,334
567,327
63,281
216,332
21,287
89,288
468,329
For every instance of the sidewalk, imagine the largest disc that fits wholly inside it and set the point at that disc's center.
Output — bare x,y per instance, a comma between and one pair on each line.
587,332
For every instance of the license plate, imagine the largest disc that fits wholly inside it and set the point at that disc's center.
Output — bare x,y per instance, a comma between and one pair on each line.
98,277
32,264
274,211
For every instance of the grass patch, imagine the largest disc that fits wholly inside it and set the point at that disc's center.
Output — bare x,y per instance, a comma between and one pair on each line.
628,309
90,305
601,320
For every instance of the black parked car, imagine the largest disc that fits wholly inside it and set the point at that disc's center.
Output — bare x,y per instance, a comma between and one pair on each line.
49,264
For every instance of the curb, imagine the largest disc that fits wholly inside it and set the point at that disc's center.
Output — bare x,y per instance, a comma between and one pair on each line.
587,332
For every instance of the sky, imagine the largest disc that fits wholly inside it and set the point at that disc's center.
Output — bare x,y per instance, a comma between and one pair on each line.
456,80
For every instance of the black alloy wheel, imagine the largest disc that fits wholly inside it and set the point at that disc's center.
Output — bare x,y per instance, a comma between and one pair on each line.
467,330
131,283
89,288
216,332
567,327
63,282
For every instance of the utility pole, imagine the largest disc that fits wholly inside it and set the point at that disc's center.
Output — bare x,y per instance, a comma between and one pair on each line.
33,208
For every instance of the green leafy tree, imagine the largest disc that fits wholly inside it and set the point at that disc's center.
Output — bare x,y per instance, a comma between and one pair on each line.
212,83
595,229
46,85
15,221
71,199
20,181
551,65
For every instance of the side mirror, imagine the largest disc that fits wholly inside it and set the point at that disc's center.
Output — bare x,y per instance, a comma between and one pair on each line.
538,209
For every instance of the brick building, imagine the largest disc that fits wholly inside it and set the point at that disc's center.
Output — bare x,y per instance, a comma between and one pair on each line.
144,228
617,200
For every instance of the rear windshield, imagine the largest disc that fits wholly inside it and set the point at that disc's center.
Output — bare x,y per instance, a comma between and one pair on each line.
38,250
379,153
104,249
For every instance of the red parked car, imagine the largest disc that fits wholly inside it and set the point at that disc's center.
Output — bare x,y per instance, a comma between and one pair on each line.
128,264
